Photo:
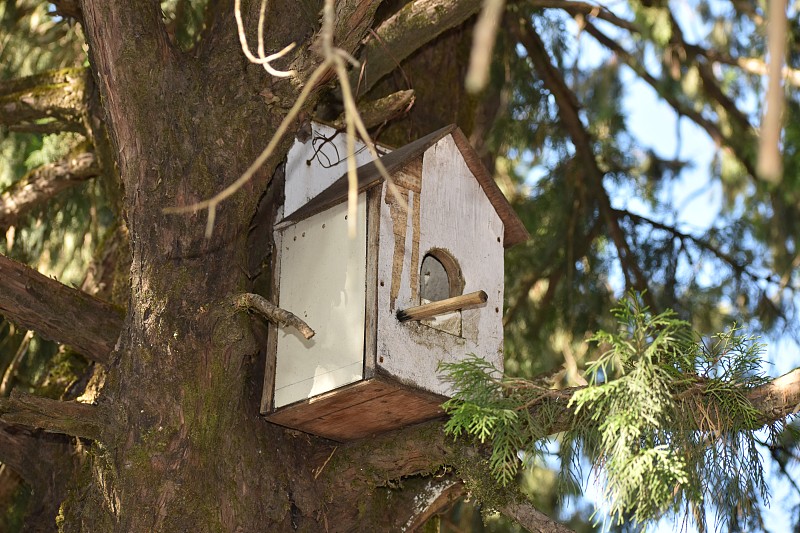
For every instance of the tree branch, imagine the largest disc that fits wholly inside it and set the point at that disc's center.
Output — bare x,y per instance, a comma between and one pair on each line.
414,25
54,416
425,447
710,84
273,313
418,498
777,399
585,8
58,312
49,102
532,519
376,112
46,462
700,243
353,20
695,116
67,8
569,107
750,65
41,184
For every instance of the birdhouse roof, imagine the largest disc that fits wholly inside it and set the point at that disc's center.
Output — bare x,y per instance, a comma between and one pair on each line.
369,175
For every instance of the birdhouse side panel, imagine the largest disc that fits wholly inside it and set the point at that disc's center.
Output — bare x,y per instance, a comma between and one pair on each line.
322,280
452,215
314,162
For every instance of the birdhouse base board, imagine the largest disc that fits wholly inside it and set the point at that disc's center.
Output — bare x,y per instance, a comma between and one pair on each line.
359,410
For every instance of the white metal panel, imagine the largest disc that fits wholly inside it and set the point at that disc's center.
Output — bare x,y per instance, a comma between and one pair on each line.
311,166
323,281
455,215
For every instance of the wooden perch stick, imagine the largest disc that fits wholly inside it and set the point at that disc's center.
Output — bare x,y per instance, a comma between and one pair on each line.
70,418
273,313
441,307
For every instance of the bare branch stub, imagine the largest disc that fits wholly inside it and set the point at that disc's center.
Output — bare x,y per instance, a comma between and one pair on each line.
273,313
376,112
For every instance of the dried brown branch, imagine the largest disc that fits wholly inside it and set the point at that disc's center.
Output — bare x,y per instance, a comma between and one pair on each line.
414,25
58,312
41,184
54,416
273,313
49,102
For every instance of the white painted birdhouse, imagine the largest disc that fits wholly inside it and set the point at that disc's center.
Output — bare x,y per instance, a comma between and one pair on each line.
420,283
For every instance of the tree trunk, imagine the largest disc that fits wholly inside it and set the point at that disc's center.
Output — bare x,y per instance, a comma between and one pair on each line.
185,448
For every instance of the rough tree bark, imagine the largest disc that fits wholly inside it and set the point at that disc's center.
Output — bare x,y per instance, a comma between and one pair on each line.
175,442
183,447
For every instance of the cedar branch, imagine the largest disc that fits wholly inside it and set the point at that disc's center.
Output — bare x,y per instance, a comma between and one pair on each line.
42,183
58,312
54,416
273,313
425,447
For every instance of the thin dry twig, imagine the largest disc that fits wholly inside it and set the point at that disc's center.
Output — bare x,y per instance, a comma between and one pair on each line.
211,203
332,58
319,470
483,45
770,166
261,59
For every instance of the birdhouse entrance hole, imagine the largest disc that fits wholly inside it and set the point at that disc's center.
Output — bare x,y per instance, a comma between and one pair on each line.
440,278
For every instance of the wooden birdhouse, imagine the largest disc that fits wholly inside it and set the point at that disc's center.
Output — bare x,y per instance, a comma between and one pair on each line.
420,283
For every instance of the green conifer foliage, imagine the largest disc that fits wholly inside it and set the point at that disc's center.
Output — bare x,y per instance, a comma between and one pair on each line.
665,418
